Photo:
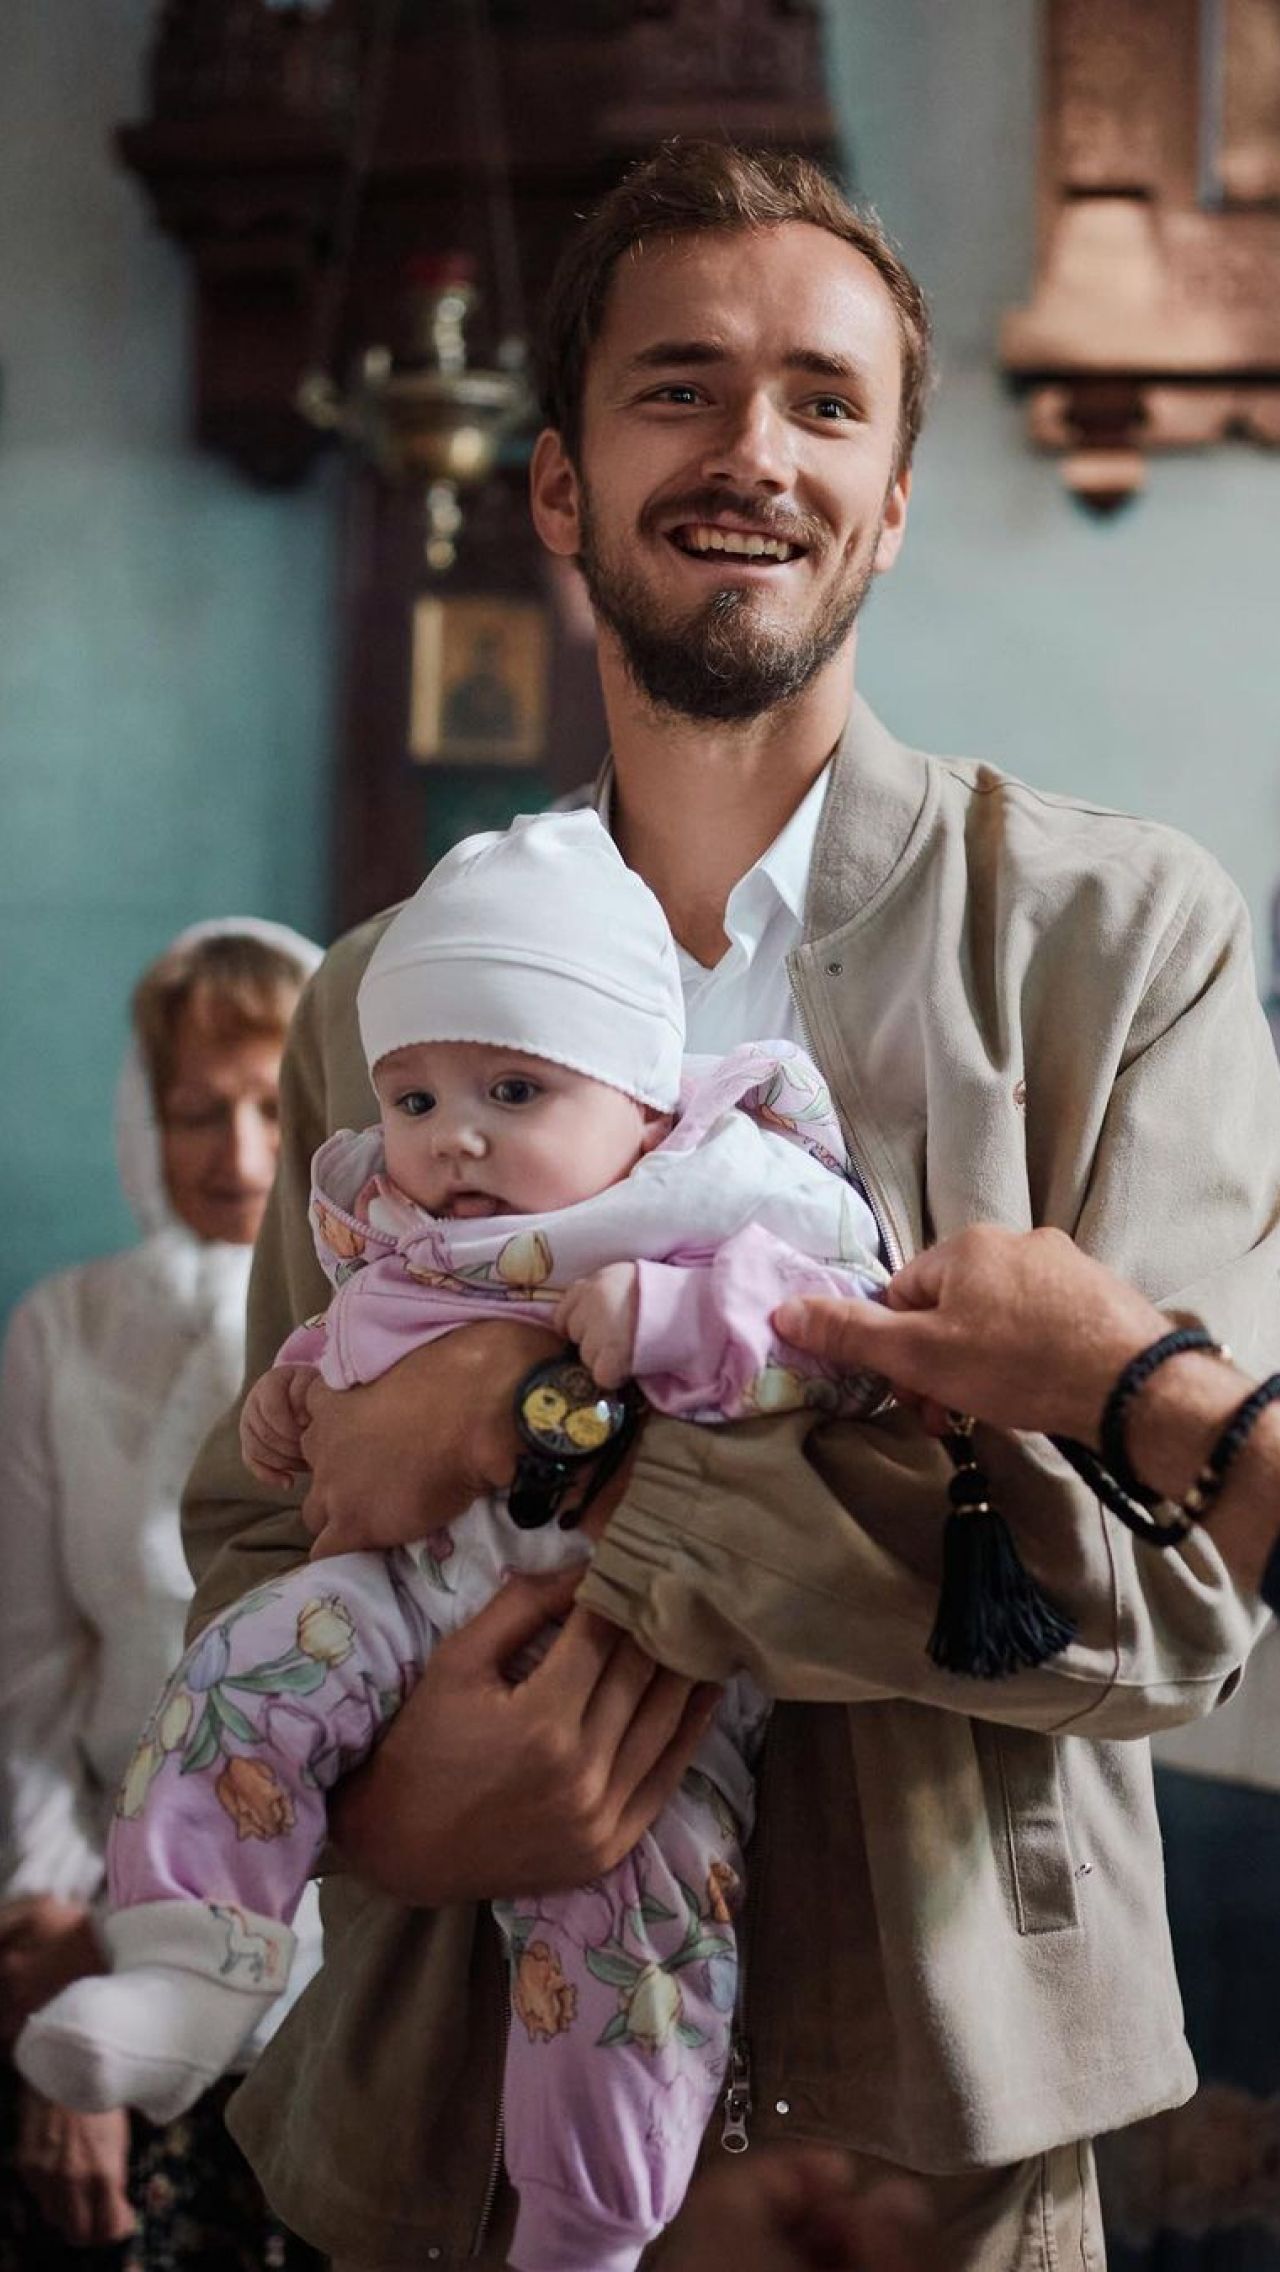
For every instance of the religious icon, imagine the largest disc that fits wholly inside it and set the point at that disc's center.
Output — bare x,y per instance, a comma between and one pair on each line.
479,682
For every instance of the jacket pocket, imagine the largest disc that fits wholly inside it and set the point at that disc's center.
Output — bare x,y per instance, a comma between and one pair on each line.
1029,1829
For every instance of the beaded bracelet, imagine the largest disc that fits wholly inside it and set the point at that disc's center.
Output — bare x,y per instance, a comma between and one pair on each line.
1269,1583
1090,1469
1208,1483
1133,1378
1113,1479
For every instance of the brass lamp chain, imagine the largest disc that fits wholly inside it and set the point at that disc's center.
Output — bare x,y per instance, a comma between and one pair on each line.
495,163
365,126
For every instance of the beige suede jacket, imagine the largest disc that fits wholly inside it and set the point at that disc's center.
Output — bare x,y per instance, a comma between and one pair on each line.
1029,1011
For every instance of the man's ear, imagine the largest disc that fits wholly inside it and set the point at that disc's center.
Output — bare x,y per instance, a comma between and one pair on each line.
893,528
554,495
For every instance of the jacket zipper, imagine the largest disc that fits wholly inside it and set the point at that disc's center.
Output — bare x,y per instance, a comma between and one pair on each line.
738,2102
499,2123
491,2187
737,2098
874,1199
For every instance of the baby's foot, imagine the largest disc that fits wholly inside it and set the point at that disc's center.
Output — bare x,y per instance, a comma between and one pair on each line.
154,2037
189,1982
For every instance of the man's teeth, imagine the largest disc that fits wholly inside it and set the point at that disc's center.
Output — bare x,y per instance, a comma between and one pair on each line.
733,541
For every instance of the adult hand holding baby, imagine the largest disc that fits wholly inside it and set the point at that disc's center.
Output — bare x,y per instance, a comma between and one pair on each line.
437,1430
482,1788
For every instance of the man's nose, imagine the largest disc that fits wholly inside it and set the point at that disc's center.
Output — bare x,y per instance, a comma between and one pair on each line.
751,446
251,1144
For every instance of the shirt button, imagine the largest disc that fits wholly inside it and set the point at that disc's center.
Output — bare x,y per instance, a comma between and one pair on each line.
783,2106
434,2255
835,969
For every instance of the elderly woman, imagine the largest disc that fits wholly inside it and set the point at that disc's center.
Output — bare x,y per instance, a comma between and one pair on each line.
113,1372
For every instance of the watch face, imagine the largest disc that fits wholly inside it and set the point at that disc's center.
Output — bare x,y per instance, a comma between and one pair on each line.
565,1413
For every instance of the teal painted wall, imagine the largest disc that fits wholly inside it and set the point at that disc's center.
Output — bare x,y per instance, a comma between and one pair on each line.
164,633
1132,661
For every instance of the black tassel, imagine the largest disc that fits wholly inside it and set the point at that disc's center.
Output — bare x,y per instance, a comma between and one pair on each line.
992,1617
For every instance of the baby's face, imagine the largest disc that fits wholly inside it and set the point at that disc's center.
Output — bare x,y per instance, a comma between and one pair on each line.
472,1131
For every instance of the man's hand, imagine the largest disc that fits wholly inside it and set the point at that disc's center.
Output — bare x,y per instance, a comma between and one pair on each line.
1017,1327
76,2168
795,2211
410,1451
482,1790
45,1943
272,1420
599,1314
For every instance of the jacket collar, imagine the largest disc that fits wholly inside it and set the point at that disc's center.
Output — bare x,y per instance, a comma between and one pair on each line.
874,809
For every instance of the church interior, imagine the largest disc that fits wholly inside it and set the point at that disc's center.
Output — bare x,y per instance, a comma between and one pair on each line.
276,631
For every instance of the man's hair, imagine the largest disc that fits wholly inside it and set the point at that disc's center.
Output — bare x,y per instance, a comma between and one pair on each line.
232,986
687,187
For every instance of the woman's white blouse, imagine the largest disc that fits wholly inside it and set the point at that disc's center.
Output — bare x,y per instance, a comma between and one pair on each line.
112,1375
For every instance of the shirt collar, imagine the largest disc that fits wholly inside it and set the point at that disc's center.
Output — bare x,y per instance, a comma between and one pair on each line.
783,867
787,862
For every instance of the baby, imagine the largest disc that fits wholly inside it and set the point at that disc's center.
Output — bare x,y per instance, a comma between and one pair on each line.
542,1152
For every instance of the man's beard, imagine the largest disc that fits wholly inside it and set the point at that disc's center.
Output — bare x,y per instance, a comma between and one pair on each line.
719,662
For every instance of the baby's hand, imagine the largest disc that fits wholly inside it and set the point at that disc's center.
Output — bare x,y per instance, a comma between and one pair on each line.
600,1314
271,1424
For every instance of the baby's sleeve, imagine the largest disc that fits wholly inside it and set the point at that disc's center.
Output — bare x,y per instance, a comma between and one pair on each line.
705,1346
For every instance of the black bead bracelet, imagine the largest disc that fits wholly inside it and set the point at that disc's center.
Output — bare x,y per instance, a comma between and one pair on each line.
1133,1378
1208,1483
1112,1477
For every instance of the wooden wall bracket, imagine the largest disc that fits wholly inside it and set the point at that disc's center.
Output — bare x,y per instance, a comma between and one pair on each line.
1155,318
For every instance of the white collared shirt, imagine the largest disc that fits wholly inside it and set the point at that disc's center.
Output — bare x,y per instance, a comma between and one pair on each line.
747,996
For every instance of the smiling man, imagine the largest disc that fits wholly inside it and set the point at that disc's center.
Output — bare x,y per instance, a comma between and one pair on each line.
1028,1011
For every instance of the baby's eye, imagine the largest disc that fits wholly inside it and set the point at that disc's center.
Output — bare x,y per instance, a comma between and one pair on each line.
415,1102
514,1089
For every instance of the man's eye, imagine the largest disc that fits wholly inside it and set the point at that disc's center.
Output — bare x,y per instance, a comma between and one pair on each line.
513,1090
415,1102
830,406
676,392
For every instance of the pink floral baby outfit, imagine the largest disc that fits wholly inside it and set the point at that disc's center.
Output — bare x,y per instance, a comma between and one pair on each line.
622,1990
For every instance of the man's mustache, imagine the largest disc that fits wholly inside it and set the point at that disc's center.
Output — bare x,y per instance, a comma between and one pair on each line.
761,514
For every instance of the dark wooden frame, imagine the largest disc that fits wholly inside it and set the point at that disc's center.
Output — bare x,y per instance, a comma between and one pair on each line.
244,155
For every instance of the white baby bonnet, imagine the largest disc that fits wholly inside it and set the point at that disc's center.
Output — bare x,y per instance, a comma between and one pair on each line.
543,940
138,1153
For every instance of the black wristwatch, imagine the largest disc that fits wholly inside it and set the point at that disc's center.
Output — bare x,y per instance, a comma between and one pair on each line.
571,1431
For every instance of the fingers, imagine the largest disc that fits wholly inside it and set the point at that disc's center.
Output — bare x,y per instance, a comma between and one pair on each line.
599,1675
277,1478
850,1335
604,1360
666,1734
327,1542
919,1283
508,1623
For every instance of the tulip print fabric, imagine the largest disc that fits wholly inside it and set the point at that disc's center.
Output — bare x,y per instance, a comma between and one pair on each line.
622,1992
223,1800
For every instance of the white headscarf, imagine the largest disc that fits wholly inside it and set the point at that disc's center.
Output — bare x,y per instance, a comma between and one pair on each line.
138,1148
